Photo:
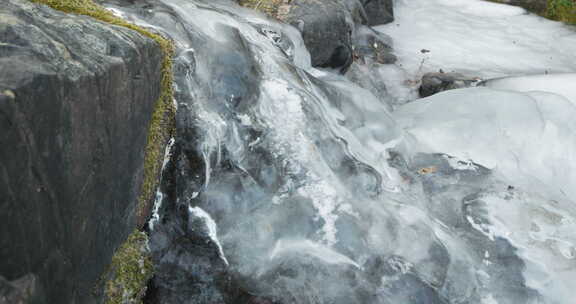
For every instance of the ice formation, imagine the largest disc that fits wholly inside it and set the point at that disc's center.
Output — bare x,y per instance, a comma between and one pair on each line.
310,190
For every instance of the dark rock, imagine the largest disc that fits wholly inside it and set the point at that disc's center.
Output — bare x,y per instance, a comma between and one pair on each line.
76,98
379,11
326,28
433,83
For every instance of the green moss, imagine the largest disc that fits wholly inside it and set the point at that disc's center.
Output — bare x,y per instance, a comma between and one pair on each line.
562,10
162,123
131,268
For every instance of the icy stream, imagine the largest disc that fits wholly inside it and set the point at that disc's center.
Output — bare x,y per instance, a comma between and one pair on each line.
294,185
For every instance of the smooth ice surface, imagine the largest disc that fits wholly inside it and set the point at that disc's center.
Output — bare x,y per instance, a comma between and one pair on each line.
529,138
561,84
474,37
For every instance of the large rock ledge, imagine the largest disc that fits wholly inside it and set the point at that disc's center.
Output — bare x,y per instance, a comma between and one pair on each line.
76,101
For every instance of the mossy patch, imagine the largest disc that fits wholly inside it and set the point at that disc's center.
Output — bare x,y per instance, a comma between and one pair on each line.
130,270
269,7
162,124
562,10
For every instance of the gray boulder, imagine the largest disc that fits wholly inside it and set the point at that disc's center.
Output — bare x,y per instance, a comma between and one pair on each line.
76,100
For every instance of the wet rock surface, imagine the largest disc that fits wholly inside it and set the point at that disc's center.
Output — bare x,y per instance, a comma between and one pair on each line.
379,11
326,27
76,99
433,83
371,46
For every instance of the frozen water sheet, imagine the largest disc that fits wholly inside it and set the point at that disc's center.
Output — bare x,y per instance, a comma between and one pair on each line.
563,84
529,138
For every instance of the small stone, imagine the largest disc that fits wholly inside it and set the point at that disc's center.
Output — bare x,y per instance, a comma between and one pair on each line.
433,83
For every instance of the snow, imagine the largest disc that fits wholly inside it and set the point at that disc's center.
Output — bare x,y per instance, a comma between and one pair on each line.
476,38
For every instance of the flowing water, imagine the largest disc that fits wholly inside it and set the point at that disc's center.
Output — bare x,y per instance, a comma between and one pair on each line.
288,184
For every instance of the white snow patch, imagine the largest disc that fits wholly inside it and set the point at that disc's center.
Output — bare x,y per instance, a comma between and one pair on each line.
474,37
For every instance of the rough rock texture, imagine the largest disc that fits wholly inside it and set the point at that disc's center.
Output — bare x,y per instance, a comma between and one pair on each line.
433,83
76,98
379,11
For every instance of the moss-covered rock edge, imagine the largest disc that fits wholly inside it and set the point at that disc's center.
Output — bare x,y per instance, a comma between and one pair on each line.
129,271
131,267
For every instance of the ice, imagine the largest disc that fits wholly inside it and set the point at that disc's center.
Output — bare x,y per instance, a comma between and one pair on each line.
561,84
324,253
474,37
529,138
198,213
539,229
297,186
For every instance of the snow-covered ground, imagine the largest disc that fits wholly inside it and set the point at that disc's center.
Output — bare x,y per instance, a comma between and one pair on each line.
522,126
474,37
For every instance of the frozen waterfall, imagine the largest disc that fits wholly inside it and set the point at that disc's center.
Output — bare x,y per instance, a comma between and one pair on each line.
288,184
